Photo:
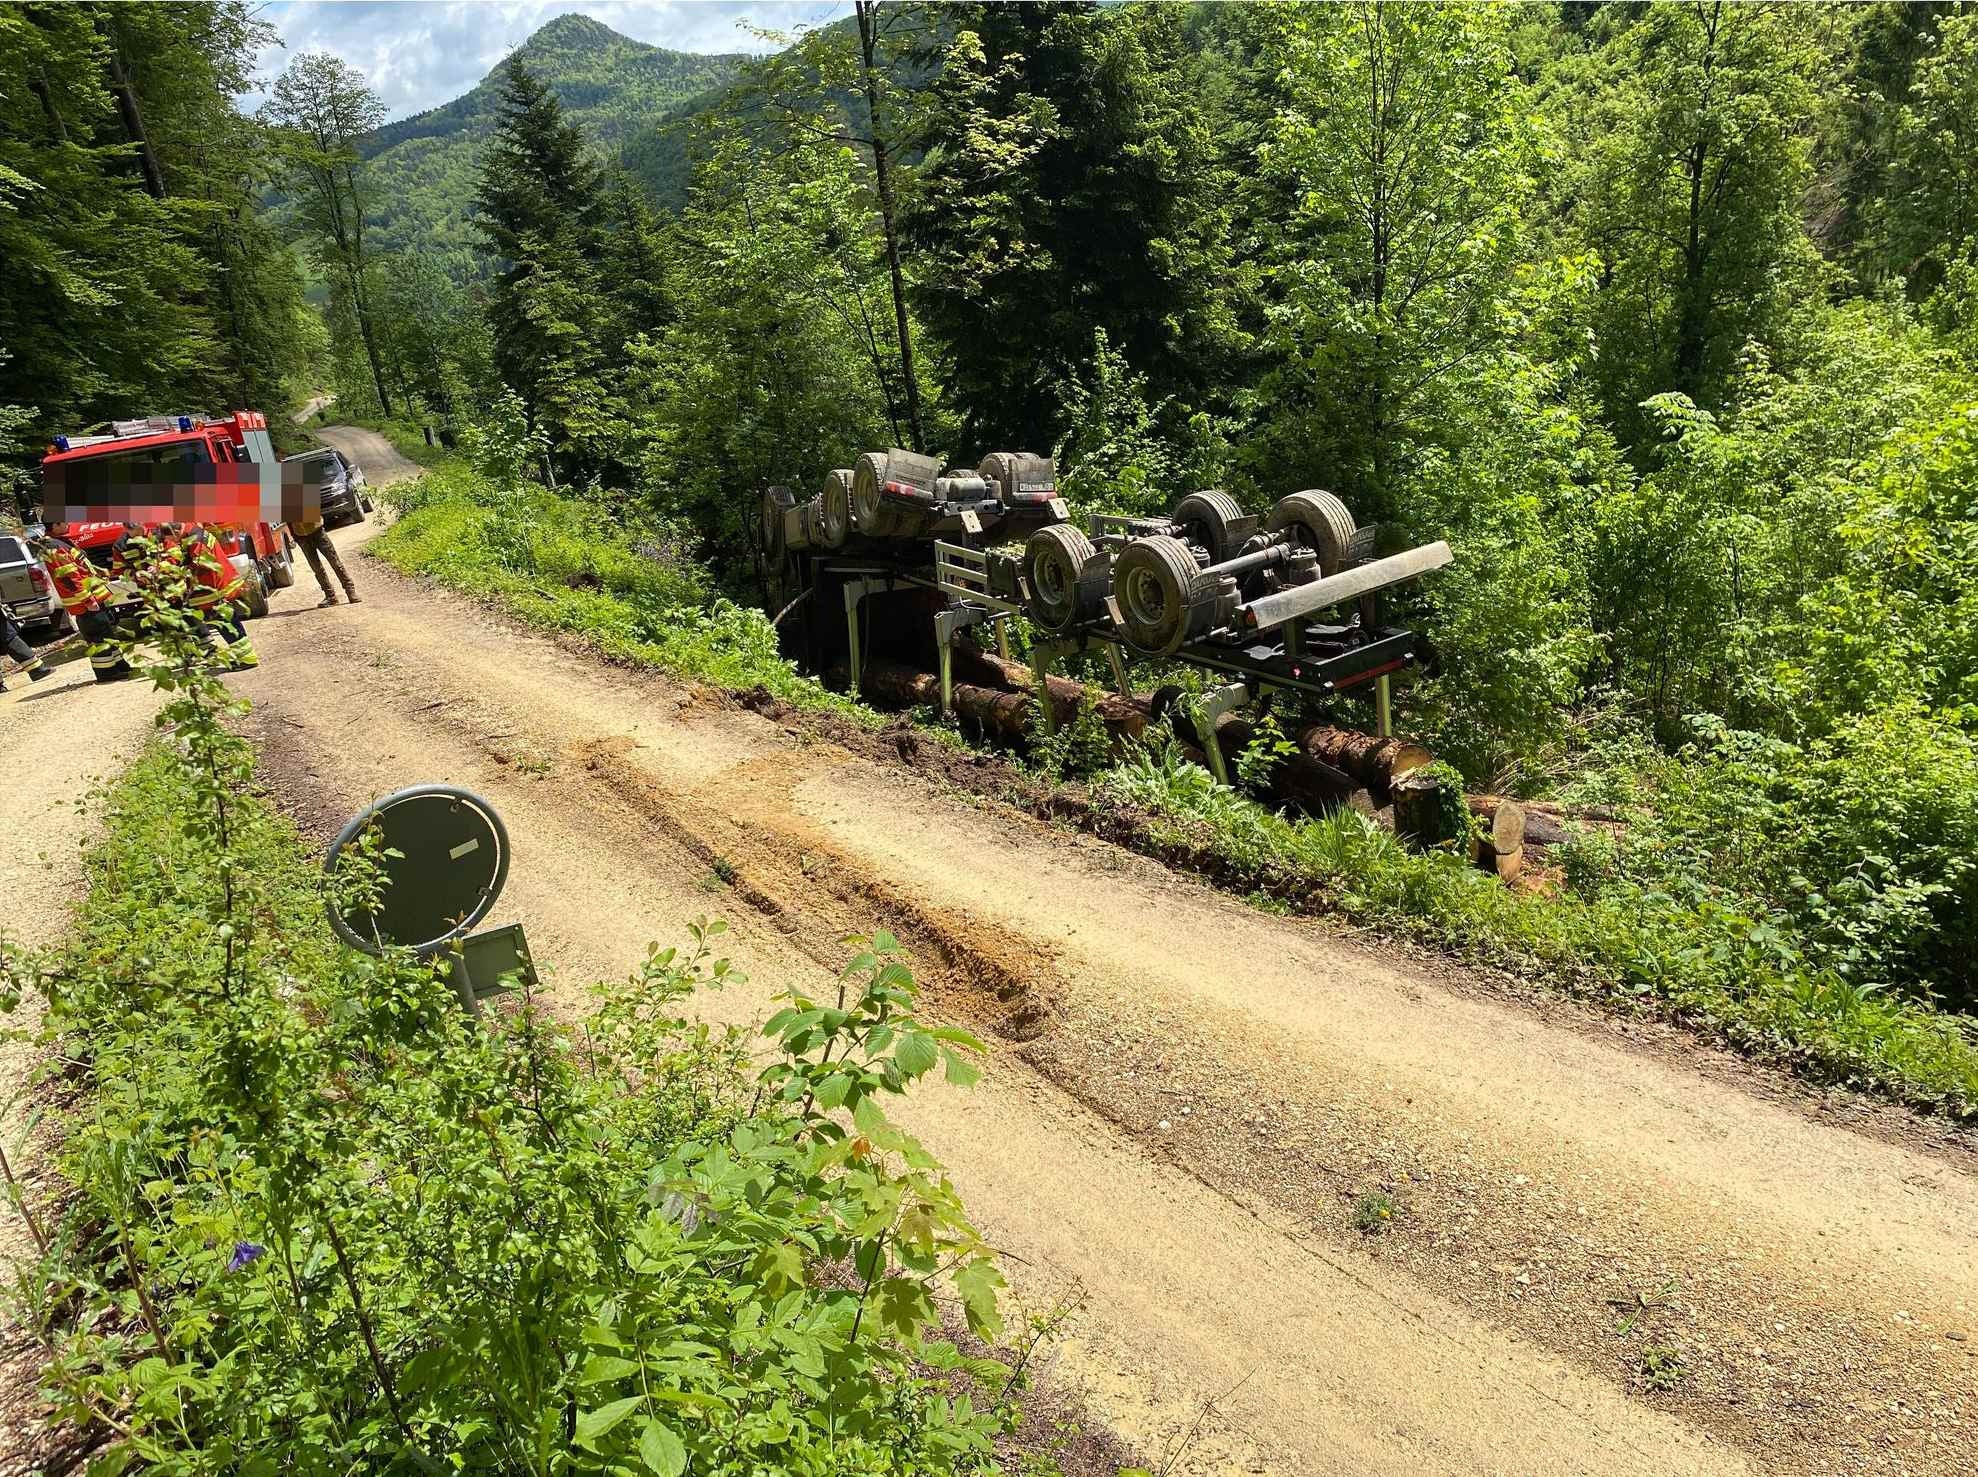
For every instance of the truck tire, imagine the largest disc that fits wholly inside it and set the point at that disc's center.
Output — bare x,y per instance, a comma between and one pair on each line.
834,514
1317,521
1019,478
281,568
255,596
775,502
1208,520
1052,560
1154,582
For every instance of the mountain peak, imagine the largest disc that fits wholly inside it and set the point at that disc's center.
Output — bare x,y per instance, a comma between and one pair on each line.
573,32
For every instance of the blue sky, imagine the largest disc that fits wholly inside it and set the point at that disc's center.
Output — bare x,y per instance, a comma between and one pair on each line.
419,53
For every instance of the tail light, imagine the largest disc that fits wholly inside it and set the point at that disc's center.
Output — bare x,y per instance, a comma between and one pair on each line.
38,577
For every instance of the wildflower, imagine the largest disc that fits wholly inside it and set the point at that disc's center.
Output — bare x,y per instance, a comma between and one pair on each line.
244,1252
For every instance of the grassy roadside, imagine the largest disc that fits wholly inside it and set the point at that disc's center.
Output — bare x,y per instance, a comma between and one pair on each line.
317,1216
1691,955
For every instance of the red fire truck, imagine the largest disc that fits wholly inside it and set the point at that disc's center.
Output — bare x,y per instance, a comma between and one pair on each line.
221,472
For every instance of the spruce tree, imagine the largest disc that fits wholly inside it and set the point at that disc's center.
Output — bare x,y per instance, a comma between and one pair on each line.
1067,191
540,212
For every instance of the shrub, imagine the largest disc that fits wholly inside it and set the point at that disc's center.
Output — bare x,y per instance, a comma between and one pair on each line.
321,1219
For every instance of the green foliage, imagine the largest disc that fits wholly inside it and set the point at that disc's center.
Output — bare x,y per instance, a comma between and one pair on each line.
555,562
1068,193
1069,750
1121,452
321,1215
1932,205
771,370
317,111
1374,1212
133,290
1699,153
1702,952
1404,232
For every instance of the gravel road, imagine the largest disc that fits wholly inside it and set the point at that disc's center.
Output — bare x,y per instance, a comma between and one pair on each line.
1615,1251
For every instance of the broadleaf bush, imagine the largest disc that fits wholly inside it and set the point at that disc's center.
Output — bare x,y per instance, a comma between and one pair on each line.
318,1218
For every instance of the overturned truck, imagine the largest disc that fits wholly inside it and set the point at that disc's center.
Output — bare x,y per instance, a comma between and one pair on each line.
881,573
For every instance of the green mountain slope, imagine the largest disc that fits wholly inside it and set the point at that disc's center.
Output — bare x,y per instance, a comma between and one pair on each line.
424,168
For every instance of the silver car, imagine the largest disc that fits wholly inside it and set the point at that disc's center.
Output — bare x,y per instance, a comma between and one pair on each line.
28,592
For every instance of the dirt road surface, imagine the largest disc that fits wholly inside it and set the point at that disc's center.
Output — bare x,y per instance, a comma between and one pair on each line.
1609,1255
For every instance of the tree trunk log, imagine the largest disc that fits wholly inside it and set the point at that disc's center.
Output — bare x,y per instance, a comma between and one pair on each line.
1500,841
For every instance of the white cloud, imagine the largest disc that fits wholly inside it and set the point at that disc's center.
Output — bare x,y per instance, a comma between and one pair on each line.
421,53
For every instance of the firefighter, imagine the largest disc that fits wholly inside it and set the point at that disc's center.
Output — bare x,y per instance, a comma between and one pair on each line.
214,588
86,597
12,643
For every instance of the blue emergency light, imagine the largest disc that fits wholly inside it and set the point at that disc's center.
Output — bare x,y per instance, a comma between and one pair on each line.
61,443
185,423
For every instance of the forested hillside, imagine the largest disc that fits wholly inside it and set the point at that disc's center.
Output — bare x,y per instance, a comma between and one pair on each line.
136,270
1662,315
620,90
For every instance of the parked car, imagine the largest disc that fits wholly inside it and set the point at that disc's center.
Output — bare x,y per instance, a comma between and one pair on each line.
345,498
27,592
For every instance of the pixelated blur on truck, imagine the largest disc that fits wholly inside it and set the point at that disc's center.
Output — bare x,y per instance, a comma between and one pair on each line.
222,472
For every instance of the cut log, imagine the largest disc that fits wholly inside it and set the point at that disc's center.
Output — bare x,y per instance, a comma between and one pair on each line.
1361,769
1428,810
1500,838
1502,821
1377,763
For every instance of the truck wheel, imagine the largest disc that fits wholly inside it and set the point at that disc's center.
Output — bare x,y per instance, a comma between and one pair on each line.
1019,477
834,511
281,568
870,515
1154,580
775,502
1208,521
256,596
1052,560
1317,521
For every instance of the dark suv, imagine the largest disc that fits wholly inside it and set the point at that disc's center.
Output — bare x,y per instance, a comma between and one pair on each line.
340,484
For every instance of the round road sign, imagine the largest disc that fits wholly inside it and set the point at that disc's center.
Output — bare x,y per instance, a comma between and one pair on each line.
453,860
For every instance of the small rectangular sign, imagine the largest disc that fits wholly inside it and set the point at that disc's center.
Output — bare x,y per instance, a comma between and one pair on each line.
472,843
971,521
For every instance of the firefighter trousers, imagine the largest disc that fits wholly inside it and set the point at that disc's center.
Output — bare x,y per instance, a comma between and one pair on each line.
12,643
106,660
317,547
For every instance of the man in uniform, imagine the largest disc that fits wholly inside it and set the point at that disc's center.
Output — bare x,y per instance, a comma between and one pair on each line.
85,595
214,589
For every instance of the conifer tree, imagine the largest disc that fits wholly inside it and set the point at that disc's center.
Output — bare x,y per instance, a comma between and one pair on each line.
541,216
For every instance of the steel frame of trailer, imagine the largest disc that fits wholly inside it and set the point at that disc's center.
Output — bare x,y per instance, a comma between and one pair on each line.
1286,664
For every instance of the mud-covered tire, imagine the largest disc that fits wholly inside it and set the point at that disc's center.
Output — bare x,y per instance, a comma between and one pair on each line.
1154,583
1208,520
1317,521
834,514
1020,478
1052,560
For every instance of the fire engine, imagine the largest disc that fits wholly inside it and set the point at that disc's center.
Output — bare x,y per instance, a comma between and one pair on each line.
221,471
